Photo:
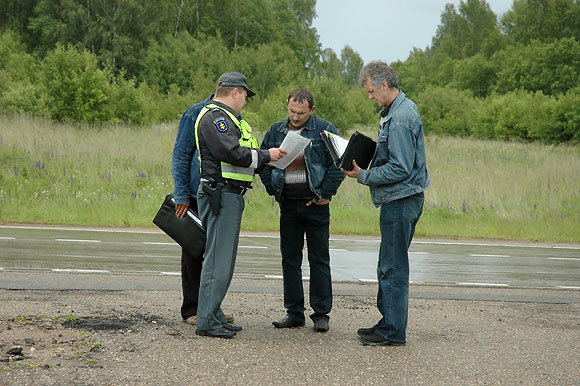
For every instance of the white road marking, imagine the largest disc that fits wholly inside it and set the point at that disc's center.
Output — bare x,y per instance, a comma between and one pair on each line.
485,284
171,273
151,243
273,276
568,287
7,238
80,270
564,258
419,253
78,241
476,255
369,280
251,247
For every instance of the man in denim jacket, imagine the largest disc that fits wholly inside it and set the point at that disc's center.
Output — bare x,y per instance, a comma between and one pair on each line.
186,174
303,191
397,179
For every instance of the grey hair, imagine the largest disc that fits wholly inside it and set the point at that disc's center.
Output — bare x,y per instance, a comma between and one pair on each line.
379,72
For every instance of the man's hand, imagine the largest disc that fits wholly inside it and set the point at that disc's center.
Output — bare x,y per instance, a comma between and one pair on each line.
354,172
322,201
276,153
181,210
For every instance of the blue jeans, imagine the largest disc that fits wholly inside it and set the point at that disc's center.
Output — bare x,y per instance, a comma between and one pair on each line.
397,220
296,219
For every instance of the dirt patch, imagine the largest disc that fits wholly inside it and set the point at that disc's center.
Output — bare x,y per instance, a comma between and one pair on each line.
95,324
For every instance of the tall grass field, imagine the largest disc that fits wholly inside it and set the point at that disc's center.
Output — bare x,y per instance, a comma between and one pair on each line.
55,173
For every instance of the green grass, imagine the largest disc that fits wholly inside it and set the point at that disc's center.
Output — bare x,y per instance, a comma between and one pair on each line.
60,174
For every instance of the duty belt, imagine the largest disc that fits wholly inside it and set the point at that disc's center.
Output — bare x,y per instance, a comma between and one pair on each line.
234,189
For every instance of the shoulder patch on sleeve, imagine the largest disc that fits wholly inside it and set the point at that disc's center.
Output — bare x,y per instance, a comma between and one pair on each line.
221,124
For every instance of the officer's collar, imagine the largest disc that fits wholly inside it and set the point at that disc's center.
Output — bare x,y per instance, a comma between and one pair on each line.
226,107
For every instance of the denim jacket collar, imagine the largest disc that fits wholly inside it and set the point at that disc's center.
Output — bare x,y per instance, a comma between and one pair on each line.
396,102
309,125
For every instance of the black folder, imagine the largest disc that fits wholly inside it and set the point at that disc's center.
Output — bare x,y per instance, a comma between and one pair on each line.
187,232
359,147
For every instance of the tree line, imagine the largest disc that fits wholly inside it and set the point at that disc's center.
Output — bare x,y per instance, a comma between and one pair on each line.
141,62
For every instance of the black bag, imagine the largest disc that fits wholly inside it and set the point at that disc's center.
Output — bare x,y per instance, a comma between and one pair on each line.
187,232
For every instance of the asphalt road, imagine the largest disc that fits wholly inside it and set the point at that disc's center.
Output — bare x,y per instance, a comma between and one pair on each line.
149,251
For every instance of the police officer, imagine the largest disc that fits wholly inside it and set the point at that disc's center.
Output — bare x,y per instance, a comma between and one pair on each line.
229,158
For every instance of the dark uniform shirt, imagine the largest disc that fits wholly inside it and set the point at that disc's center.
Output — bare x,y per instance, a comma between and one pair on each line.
219,141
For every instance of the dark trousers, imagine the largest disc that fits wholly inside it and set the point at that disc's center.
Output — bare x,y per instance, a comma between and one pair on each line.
190,277
297,219
398,219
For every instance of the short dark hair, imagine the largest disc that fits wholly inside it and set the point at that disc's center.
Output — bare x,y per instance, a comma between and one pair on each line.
300,95
379,72
224,91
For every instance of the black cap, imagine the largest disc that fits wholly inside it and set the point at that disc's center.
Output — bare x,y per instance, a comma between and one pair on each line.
234,79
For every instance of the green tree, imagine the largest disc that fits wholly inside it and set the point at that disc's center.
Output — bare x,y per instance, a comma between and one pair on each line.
543,20
476,74
463,34
331,66
446,111
75,88
351,65
553,68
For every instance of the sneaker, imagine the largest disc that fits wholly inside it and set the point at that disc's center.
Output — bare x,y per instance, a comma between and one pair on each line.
321,325
377,340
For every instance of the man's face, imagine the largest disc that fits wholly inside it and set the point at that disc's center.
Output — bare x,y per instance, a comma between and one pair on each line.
239,99
298,113
379,94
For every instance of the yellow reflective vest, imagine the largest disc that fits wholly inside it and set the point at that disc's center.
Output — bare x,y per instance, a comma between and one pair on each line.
229,171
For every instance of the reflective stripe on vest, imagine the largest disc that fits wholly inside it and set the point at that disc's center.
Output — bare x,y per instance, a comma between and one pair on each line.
239,173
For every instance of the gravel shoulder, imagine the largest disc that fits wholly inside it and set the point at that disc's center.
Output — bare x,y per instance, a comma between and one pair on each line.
455,336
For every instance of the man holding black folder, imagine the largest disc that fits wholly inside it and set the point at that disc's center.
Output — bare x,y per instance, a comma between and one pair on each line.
397,178
303,191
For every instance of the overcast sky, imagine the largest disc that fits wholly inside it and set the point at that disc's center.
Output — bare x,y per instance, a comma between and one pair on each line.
383,29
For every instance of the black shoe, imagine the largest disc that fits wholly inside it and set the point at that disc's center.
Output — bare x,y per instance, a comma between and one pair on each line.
366,331
217,333
321,325
232,327
288,322
377,340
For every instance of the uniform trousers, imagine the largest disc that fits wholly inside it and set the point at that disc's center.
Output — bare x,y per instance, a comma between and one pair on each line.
221,247
297,219
397,221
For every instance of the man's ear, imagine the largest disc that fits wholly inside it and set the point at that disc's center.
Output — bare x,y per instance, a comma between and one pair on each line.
313,108
385,85
286,102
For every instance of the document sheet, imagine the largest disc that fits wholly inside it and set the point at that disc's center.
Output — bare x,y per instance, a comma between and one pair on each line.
293,143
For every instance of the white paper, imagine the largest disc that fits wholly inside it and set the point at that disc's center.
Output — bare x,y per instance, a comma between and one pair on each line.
339,143
294,143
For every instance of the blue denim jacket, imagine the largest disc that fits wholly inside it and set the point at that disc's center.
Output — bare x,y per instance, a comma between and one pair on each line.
399,166
323,177
185,162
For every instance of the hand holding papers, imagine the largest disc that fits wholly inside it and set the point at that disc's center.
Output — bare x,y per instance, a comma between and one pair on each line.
293,143
359,147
